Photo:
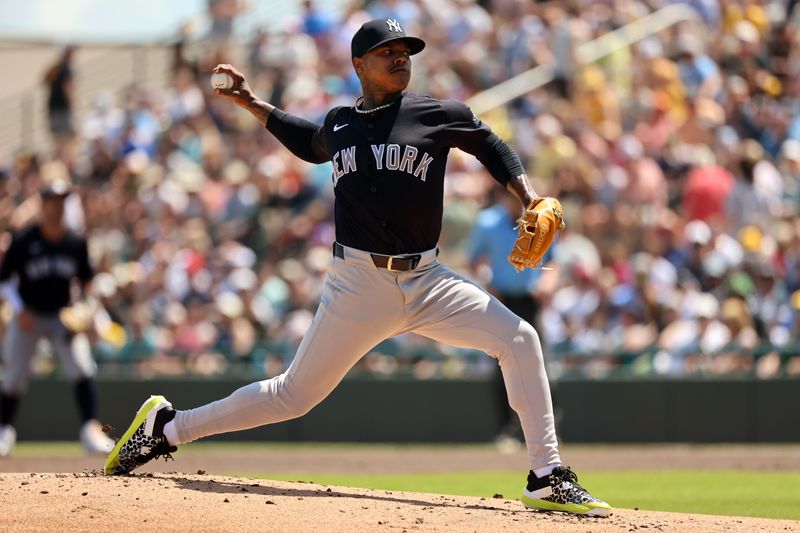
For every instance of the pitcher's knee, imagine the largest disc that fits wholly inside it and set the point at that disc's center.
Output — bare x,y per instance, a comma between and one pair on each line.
297,401
301,407
524,335
525,342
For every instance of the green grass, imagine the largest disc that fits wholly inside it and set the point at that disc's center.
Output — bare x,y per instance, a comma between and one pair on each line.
733,493
48,449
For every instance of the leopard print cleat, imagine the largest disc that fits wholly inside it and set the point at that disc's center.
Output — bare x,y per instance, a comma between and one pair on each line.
144,439
560,492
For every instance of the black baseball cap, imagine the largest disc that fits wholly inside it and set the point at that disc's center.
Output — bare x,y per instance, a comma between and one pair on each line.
380,31
58,187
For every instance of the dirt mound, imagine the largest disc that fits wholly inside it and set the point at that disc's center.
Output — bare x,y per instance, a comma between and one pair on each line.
166,502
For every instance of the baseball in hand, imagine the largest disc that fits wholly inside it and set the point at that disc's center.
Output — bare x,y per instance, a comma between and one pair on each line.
221,80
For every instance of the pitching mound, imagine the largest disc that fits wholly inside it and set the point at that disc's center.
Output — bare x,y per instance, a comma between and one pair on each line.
165,502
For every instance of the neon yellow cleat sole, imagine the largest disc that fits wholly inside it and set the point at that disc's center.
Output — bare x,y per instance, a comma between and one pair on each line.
560,491
598,508
144,440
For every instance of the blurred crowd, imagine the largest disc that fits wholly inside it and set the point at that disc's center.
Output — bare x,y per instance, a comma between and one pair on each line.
677,160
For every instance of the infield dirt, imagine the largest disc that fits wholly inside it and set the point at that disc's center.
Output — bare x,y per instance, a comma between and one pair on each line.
163,500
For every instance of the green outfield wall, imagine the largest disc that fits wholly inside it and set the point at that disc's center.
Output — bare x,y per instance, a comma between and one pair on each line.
406,410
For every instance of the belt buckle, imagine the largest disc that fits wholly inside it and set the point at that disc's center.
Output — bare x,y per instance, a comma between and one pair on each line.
389,264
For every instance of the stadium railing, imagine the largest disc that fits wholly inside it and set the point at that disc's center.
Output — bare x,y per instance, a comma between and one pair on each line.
589,52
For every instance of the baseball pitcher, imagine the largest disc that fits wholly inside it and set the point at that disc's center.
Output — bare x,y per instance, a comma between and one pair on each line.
389,152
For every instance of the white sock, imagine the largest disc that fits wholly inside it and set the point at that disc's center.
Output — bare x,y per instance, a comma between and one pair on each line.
171,433
540,472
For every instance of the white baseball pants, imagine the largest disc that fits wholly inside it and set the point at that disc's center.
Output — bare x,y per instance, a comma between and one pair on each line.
361,306
19,348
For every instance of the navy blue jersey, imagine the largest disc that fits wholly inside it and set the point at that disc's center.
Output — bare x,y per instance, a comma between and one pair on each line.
45,269
388,169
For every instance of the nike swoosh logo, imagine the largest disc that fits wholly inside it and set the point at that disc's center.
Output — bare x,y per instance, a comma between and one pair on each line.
337,127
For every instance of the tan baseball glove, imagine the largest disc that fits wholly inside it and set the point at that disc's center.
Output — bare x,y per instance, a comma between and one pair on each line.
537,228
78,317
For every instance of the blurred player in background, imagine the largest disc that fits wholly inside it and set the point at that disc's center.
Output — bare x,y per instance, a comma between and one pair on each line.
36,277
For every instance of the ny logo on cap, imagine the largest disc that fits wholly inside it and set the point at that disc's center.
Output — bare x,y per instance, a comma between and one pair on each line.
394,25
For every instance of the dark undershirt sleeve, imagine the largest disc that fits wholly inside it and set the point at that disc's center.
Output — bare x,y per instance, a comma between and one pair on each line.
11,260
301,137
501,161
466,132
85,272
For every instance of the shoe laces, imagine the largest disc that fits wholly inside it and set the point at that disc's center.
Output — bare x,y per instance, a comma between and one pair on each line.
162,449
166,455
566,474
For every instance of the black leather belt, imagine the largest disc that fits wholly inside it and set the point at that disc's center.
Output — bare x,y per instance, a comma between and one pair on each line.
395,263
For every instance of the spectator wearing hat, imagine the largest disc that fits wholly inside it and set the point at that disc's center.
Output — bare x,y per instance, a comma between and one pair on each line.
705,116
748,204
789,167
712,332
699,73
688,259
737,355
745,54
767,302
